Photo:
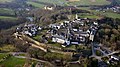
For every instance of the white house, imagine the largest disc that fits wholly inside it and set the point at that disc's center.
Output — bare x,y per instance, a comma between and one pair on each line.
58,39
48,8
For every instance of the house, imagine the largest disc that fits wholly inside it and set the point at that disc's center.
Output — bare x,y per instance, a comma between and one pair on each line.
115,57
84,34
49,8
27,33
58,39
95,23
39,28
75,42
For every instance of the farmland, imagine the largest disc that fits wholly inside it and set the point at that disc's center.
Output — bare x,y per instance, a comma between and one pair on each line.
8,18
89,16
65,2
36,4
90,2
106,14
4,1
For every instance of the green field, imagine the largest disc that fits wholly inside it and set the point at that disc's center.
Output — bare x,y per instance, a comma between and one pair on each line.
6,11
112,15
3,1
89,2
2,55
13,62
39,5
58,2
107,14
91,16
64,2
7,18
96,13
36,4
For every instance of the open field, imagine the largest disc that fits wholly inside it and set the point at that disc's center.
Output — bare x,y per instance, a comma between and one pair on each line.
112,15
36,4
6,11
85,15
3,1
65,2
107,14
13,62
8,18
42,3
58,2
90,2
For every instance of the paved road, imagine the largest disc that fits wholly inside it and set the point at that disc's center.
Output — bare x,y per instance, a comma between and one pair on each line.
103,51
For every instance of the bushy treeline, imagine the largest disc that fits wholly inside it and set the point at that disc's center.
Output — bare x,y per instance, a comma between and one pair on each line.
109,33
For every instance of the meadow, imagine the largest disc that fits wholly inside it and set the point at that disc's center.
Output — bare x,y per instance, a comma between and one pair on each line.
4,1
67,3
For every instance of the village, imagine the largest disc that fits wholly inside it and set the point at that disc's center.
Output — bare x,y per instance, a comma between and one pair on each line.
59,33
81,31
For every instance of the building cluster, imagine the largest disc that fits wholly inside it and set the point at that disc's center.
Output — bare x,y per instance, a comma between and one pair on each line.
73,32
115,9
29,29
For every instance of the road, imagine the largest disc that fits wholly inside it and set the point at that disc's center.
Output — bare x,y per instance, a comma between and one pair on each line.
102,49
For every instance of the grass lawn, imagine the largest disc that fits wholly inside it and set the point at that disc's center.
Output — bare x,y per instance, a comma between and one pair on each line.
3,55
6,11
13,62
8,18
